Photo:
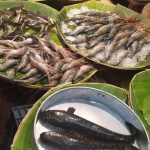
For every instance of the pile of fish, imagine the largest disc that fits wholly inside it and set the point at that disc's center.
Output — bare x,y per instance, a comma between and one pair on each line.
79,134
39,60
106,37
18,22
28,56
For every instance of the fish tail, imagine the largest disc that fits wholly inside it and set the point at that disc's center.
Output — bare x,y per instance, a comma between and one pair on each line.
133,130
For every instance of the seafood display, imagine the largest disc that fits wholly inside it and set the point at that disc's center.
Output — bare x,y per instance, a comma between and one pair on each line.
79,133
17,23
29,56
106,37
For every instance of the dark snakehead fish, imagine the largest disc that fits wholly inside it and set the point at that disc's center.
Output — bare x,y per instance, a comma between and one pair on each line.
67,120
67,142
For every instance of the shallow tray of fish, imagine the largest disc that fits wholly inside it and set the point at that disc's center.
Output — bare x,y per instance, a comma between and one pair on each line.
30,51
104,36
87,118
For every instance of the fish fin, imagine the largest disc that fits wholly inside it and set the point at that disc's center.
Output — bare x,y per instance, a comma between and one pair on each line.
71,110
133,130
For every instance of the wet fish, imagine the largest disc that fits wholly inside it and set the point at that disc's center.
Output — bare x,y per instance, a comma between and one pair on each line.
65,120
8,63
64,142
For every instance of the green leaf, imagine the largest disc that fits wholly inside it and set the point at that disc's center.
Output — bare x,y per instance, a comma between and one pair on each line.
23,138
118,9
140,97
32,6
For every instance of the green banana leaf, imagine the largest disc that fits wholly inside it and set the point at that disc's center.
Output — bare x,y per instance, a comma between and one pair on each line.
140,97
23,137
118,9
52,14
32,6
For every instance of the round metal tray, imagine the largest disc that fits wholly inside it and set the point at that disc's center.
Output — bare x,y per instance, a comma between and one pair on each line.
94,105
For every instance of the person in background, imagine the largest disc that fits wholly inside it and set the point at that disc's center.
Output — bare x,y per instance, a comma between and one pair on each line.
146,11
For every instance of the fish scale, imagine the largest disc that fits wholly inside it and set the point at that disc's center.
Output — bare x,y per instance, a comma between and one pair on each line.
65,120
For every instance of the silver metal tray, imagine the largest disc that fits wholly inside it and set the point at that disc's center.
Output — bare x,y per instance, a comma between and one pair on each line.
95,105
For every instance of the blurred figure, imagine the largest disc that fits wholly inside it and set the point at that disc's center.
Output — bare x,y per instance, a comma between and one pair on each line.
146,11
